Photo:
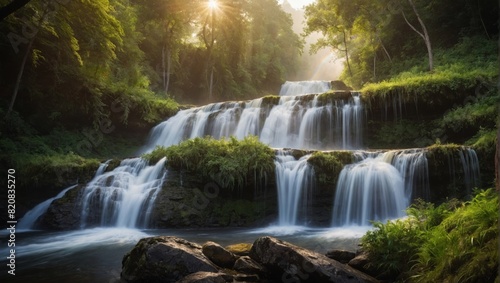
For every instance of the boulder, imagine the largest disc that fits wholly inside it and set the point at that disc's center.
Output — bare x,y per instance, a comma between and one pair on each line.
164,259
247,278
287,262
219,255
342,256
241,249
207,277
247,265
362,263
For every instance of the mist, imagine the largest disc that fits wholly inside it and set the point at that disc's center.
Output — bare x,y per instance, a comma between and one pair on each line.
322,65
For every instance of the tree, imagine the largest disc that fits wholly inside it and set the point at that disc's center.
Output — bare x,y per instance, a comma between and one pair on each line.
424,34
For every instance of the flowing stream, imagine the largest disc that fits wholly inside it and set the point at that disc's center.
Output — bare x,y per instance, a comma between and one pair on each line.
116,204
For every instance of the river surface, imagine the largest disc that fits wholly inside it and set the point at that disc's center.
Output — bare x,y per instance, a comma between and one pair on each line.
95,255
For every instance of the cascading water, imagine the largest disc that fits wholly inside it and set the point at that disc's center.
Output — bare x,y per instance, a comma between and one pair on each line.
380,186
304,87
295,122
470,167
123,197
295,180
371,190
29,219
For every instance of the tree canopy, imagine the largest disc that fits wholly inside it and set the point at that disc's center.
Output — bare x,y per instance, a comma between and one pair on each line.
381,38
91,53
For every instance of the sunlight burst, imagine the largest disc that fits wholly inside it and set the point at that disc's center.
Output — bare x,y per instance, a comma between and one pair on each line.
212,4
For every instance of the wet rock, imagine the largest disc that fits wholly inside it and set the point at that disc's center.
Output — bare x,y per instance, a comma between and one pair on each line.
207,277
246,278
342,256
286,262
219,255
247,265
362,263
63,213
241,249
164,259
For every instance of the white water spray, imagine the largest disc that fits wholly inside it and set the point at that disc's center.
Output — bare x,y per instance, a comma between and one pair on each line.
123,197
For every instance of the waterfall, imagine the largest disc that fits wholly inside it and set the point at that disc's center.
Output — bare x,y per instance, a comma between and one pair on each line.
304,87
123,197
414,169
295,180
371,190
470,167
294,122
29,219
380,186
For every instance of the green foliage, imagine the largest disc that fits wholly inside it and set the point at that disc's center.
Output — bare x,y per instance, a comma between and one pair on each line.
392,246
231,163
334,95
452,242
399,134
378,42
327,165
483,111
442,87
464,247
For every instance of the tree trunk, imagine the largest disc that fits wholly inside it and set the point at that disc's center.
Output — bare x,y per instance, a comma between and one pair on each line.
163,67
19,77
347,54
166,69
169,64
424,35
211,84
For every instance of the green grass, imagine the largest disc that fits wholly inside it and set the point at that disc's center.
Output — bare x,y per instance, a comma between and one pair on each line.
229,162
453,242
469,67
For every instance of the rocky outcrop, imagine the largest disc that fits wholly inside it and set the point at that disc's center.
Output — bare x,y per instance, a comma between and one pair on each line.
342,256
247,265
207,277
240,249
219,255
164,259
64,213
171,259
285,261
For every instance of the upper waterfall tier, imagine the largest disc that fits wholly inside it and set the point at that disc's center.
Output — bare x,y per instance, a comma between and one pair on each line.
325,121
304,87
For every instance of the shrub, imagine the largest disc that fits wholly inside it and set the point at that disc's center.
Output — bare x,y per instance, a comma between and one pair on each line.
229,162
327,165
452,242
464,247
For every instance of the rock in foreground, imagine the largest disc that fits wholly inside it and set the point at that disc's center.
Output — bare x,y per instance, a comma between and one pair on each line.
164,259
289,263
171,259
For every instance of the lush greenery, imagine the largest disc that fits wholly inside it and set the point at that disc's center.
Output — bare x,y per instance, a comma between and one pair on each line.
89,54
327,166
452,242
88,79
381,39
231,163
